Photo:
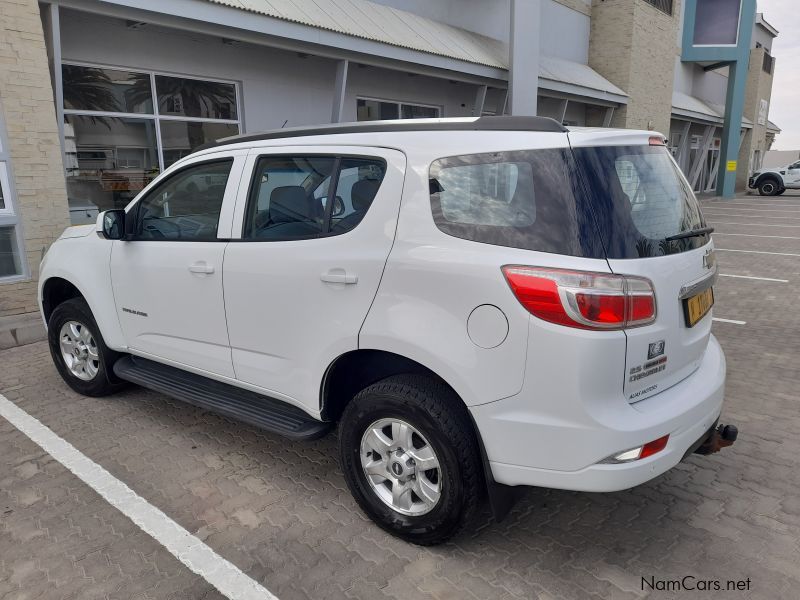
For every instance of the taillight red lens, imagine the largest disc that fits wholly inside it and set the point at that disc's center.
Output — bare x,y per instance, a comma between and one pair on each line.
583,299
654,447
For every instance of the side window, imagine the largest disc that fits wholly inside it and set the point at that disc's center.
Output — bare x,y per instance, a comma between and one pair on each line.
185,206
359,180
290,198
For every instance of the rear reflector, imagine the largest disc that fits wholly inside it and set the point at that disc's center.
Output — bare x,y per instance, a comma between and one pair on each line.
583,299
638,453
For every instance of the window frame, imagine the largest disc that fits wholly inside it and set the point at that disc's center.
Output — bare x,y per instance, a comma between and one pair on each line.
9,216
327,233
155,116
439,108
132,213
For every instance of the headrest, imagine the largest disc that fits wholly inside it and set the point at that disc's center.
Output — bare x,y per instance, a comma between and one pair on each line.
288,204
362,193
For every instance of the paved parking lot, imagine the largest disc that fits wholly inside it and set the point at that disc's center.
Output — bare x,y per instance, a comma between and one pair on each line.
281,513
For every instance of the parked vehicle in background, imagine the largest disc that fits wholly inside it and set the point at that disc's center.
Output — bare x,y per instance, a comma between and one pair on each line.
478,304
774,182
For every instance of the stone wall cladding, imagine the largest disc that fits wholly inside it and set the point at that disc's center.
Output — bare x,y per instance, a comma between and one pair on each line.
630,41
759,87
26,99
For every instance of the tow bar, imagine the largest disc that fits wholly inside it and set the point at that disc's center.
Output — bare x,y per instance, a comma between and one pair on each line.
718,438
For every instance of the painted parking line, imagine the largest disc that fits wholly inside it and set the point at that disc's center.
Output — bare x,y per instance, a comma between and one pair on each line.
190,550
724,214
753,277
757,204
770,210
749,224
732,321
755,252
774,237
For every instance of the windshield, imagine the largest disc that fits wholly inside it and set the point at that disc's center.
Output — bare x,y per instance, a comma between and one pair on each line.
640,200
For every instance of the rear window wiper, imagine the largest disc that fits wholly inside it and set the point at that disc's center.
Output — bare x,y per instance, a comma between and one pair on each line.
689,234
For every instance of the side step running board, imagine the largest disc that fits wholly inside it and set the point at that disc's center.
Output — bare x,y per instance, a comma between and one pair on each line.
261,411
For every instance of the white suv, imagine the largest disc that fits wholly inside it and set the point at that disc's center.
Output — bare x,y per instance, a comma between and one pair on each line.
479,304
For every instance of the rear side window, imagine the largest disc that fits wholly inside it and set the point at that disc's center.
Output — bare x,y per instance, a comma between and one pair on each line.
522,199
641,200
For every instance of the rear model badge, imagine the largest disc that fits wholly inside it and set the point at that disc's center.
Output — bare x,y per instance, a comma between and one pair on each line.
655,349
709,259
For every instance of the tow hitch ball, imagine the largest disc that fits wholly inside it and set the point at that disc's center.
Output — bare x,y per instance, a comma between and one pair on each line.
719,438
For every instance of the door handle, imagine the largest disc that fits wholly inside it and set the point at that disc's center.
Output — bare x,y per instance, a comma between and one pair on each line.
201,267
339,276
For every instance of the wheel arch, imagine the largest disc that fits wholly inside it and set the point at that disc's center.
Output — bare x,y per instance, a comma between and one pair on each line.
55,291
352,371
769,175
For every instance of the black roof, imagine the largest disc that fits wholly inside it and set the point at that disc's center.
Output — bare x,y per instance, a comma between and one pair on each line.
505,123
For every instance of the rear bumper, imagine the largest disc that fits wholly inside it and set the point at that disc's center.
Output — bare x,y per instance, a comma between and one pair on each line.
686,412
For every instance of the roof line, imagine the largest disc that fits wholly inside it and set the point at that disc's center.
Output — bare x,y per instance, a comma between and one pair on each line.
489,123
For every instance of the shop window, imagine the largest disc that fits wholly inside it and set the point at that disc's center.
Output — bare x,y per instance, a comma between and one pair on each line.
369,109
11,264
117,137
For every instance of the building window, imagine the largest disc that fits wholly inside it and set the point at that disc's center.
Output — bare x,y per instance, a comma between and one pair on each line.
122,127
371,109
662,5
11,264
766,66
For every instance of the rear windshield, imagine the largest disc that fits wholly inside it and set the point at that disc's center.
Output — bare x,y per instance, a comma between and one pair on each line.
523,199
640,200
595,202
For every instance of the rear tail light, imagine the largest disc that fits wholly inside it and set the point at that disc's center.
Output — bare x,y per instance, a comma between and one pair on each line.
657,140
583,299
638,453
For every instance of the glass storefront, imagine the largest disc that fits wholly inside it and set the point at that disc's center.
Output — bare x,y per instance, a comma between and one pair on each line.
122,127
368,109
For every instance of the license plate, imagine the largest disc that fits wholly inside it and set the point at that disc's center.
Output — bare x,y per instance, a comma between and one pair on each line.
696,307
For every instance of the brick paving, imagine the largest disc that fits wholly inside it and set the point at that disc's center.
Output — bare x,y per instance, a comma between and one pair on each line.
280,510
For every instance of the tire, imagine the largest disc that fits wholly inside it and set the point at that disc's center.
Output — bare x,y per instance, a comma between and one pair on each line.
439,423
768,187
73,320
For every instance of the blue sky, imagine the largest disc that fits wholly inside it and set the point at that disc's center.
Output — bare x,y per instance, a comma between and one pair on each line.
784,110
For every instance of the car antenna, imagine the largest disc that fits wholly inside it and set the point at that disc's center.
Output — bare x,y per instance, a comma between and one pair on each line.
284,123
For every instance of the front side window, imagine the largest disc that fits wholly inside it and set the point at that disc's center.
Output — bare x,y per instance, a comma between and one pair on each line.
291,197
522,199
185,206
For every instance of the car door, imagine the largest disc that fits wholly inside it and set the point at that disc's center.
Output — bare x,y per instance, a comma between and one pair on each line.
167,273
316,229
792,177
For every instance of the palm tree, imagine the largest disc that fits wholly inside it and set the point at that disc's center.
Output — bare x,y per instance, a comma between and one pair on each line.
89,88
195,95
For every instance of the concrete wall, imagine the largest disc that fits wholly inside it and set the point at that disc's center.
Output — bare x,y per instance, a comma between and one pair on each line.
26,100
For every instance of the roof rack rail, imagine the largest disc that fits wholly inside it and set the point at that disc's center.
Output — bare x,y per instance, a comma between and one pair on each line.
504,123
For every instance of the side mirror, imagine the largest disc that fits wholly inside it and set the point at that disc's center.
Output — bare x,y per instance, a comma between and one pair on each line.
111,224
338,207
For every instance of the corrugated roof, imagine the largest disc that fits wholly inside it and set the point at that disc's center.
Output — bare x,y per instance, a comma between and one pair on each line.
713,112
566,71
371,21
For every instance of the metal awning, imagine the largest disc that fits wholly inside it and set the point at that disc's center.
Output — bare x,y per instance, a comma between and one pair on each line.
376,22
689,107
566,76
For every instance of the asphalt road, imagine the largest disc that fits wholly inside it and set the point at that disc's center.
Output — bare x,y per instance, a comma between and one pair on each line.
279,511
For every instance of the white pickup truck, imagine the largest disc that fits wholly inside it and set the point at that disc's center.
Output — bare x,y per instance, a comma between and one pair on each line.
773,182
